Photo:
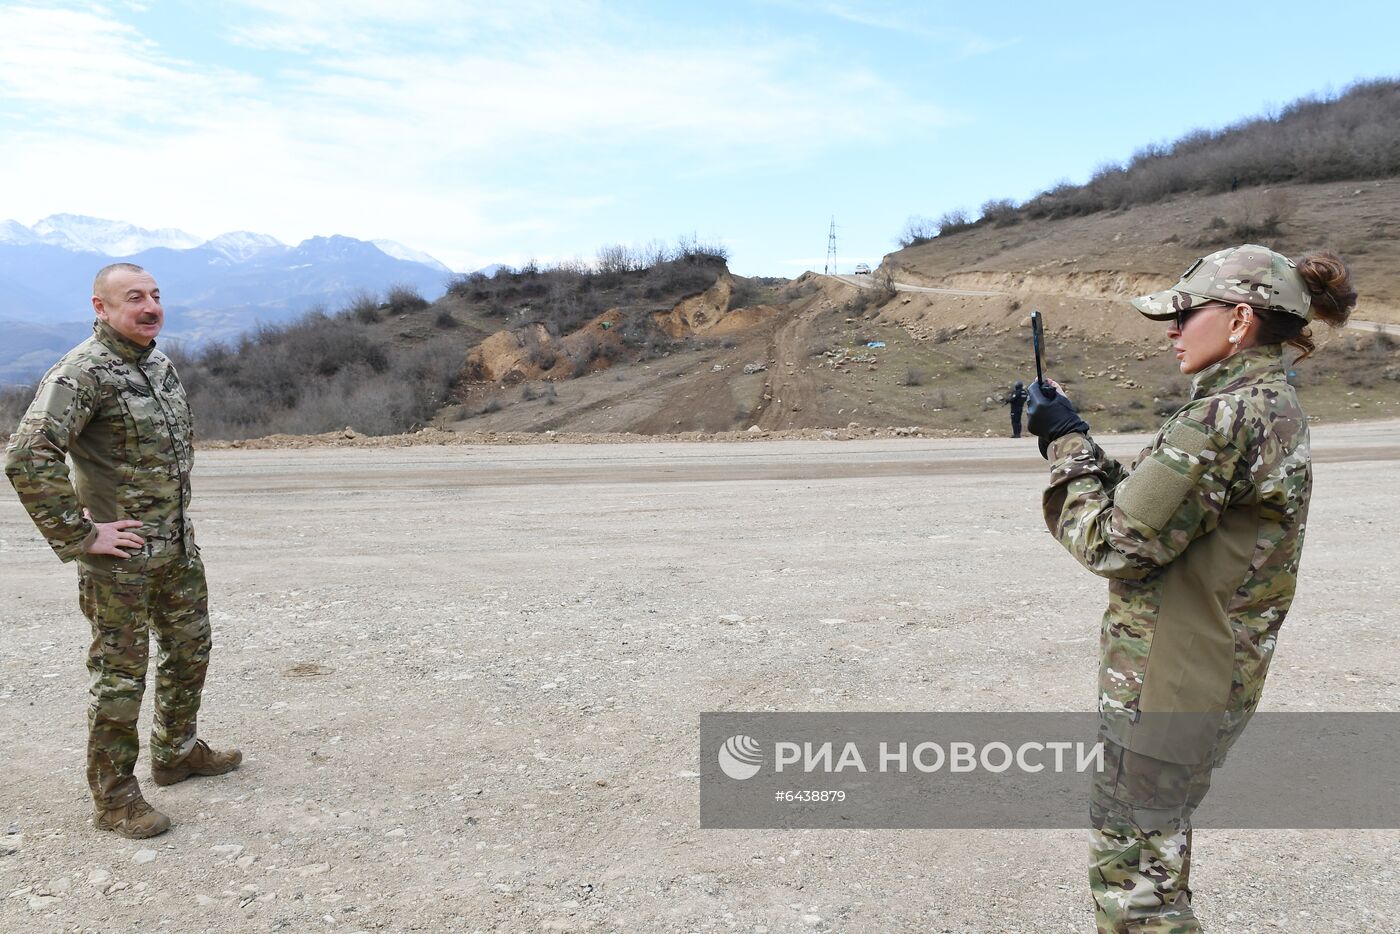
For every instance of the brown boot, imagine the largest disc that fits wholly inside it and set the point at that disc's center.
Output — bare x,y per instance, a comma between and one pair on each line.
201,760
135,820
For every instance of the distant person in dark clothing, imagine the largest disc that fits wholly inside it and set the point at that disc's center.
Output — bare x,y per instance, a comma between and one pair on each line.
1017,400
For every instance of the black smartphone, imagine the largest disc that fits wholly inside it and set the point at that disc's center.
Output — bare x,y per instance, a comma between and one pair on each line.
1038,339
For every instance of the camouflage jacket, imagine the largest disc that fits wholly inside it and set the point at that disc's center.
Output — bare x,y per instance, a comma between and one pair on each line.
1200,541
119,411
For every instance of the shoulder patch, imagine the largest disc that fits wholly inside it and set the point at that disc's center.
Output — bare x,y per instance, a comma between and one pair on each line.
54,398
1188,437
1157,486
1152,493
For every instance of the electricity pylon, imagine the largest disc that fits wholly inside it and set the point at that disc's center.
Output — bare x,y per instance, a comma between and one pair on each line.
830,267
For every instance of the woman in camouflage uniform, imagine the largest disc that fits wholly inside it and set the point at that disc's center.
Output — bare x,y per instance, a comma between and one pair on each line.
1200,540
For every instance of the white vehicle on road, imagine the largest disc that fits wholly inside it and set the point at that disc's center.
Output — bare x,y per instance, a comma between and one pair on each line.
862,269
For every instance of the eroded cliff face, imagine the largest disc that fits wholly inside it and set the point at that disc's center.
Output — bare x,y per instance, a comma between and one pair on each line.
531,352
710,314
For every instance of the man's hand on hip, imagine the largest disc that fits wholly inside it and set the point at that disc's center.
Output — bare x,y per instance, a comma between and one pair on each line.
112,537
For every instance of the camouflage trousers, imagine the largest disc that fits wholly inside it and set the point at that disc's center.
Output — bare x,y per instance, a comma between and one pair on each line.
1140,844
124,607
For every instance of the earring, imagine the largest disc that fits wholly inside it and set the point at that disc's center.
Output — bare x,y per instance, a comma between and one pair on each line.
1234,339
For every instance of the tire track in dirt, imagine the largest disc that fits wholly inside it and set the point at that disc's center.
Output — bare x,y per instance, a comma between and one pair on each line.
793,383
706,400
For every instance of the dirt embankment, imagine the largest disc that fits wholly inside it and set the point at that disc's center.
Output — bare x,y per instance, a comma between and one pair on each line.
715,370
532,352
712,313
1113,255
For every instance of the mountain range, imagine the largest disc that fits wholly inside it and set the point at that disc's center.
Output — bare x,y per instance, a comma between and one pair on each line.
212,289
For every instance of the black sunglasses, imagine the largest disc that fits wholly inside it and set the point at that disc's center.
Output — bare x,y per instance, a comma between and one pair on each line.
1184,314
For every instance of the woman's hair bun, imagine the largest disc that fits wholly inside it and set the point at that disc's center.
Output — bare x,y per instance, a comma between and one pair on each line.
1329,282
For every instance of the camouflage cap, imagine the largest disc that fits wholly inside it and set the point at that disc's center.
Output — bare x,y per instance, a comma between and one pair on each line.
1252,274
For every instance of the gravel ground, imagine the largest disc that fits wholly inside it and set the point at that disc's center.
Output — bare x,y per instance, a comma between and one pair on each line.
467,683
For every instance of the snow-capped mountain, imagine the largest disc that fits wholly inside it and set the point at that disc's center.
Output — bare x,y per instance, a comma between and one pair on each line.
13,232
213,290
242,245
114,238
79,233
399,251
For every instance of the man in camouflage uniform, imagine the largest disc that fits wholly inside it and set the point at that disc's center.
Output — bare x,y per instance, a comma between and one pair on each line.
114,404
1200,541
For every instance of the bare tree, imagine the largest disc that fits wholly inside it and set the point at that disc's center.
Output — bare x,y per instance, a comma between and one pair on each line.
917,230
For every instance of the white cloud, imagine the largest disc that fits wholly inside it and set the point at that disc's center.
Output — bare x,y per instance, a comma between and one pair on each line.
346,25
903,19
383,123
79,68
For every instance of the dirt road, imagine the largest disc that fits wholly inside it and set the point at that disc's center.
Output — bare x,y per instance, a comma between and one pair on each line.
866,282
468,681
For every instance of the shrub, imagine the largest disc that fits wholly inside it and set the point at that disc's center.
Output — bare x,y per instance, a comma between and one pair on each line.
1000,211
363,307
678,276
882,288
315,375
692,249
471,285
913,377
1262,214
403,299
954,221
617,258
917,230
745,294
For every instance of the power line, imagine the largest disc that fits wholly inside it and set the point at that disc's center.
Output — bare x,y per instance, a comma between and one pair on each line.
830,267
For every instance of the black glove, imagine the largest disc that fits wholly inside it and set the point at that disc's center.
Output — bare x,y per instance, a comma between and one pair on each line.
1050,415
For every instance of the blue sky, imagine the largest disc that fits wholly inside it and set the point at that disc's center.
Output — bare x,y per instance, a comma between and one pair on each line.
491,132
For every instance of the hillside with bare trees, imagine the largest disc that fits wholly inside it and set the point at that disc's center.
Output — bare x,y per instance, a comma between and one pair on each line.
1353,136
